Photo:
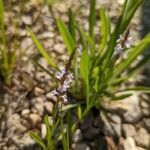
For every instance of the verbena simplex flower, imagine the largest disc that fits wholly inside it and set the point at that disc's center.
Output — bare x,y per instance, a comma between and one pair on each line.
65,80
124,41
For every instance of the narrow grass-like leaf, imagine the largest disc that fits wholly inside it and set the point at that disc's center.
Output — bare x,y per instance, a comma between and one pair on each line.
72,27
2,24
132,7
3,36
137,88
38,140
79,112
105,29
84,70
41,49
122,96
66,36
69,106
92,17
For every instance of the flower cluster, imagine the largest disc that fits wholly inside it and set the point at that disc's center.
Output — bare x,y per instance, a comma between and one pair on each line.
123,42
65,79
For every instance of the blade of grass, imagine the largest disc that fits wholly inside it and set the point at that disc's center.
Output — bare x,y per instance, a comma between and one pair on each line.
72,25
41,49
105,29
66,36
38,140
92,18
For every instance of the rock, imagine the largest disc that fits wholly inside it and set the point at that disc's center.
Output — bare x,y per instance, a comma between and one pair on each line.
97,122
144,104
92,133
140,148
27,19
129,108
146,112
34,118
38,91
49,107
26,43
59,48
47,35
36,100
147,123
43,130
87,122
128,130
129,144
142,138
25,113
112,124
77,136
80,146
39,108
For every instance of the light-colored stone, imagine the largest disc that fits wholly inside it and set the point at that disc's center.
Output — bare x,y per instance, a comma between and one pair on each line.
112,124
38,91
142,138
147,123
43,130
145,104
26,43
40,108
34,118
128,130
49,107
140,148
36,100
25,113
80,146
129,109
27,20
129,144
77,136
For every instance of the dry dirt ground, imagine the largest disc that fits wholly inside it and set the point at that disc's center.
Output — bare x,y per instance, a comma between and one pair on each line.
23,105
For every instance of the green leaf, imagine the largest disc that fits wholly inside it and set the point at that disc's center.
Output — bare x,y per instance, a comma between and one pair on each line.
68,40
122,96
48,127
137,88
92,18
72,25
84,70
41,49
79,112
84,66
132,6
69,106
2,24
38,140
105,29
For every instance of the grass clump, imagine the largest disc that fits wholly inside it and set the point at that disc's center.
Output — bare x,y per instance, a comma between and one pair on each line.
7,57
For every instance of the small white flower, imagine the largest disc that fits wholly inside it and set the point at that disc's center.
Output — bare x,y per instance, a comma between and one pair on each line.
128,42
118,49
60,74
53,93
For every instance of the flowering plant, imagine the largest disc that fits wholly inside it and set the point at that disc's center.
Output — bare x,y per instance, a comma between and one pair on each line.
98,69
